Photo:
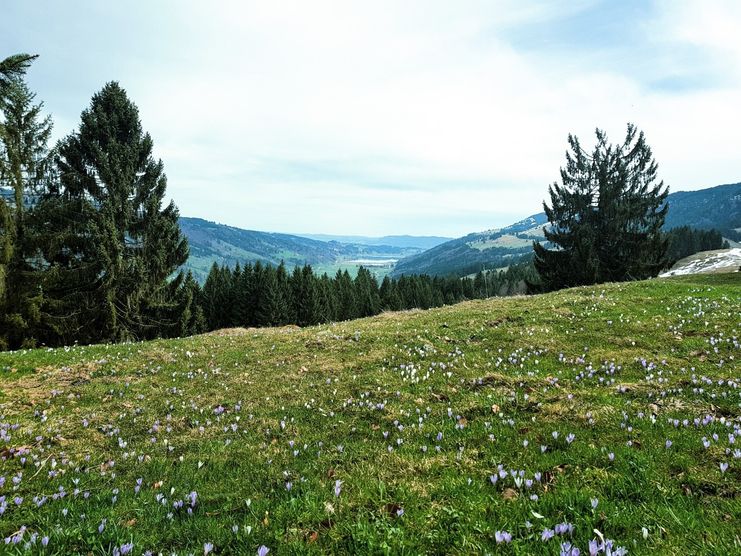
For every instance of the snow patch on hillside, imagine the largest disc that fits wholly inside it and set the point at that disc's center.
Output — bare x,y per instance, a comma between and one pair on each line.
724,260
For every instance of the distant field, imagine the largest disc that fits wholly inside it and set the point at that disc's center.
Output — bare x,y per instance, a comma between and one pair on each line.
352,268
508,241
507,426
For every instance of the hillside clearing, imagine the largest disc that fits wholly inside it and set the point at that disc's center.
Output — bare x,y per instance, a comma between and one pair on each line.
613,408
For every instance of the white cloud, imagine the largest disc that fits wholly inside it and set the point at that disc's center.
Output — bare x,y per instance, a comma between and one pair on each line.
413,117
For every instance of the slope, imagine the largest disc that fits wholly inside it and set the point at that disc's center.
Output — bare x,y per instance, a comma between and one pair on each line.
501,426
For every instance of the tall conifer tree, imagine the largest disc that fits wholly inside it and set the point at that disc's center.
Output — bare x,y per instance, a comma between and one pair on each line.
24,168
605,216
107,171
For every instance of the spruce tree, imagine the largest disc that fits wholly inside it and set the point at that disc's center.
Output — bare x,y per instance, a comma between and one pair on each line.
390,300
328,305
306,296
271,299
347,307
107,171
605,216
190,310
14,67
24,169
217,297
242,297
285,310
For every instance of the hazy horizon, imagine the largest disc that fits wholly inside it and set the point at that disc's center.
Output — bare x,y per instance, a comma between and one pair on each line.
427,118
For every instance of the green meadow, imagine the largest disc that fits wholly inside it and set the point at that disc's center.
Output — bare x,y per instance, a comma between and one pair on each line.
603,418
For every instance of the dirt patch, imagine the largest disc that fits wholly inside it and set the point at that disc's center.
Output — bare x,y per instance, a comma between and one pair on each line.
47,382
229,332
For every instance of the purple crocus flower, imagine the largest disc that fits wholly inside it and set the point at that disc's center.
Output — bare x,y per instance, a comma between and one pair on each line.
723,467
207,548
263,550
567,549
547,535
502,537
563,528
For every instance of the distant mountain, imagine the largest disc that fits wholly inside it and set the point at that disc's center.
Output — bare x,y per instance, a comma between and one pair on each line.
212,242
417,242
716,207
490,249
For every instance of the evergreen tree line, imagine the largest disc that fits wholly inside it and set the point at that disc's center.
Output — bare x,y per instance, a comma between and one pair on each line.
265,295
685,241
87,245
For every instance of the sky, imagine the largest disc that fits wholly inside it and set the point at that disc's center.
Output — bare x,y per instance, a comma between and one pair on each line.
392,117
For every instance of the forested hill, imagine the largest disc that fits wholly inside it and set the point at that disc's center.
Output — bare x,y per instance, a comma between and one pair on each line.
712,208
716,207
211,242
469,254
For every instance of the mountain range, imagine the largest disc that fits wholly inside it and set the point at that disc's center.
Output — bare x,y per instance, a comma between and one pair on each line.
715,207
412,242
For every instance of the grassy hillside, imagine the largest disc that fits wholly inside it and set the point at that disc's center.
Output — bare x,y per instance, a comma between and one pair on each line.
712,208
613,408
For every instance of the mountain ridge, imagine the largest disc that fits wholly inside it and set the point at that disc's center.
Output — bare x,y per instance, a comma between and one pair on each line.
403,240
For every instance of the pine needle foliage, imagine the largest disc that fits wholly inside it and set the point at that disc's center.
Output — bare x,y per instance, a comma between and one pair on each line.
605,216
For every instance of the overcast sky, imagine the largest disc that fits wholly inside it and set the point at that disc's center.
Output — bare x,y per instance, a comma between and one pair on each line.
391,117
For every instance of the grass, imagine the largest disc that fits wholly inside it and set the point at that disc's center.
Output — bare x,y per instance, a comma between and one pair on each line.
413,412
